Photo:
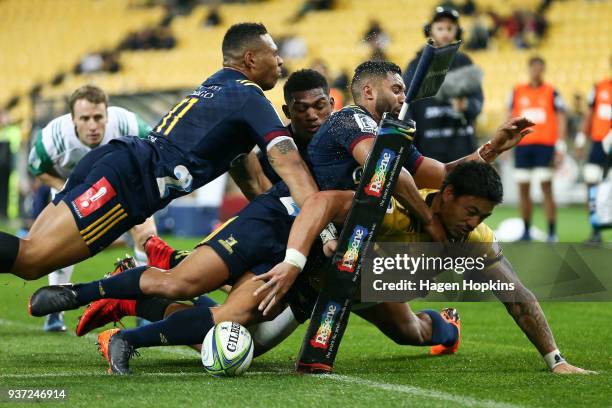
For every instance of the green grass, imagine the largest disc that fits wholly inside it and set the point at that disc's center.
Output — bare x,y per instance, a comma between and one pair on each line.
495,365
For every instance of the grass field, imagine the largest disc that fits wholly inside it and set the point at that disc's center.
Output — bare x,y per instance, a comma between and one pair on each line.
496,366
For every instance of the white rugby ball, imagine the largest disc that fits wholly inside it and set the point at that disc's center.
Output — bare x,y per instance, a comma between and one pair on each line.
227,350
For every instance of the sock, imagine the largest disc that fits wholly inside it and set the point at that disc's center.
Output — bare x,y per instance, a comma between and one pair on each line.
205,301
9,248
552,228
177,257
442,332
61,276
124,285
140,256
185,327
527,227
152,309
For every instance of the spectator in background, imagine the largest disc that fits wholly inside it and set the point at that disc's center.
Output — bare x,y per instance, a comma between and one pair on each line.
213,18
539,152
479,35
310,5
292,47
446,123
336,93
575,116
377,39
596,127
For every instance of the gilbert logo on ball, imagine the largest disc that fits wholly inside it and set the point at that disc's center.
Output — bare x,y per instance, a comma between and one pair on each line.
227,350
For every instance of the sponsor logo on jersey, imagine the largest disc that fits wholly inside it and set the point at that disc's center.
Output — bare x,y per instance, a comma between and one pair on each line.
94,198
323,334
376,184
349,259
228,243
366,123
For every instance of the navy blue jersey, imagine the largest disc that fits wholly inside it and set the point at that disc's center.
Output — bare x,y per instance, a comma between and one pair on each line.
196,141
330,152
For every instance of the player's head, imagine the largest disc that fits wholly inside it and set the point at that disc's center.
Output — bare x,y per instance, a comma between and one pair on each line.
536,68
378,86
307,102
443,28
88,109
468,195
249,48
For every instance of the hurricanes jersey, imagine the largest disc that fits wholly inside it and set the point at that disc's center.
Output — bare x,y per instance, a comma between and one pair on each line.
401,226
58,148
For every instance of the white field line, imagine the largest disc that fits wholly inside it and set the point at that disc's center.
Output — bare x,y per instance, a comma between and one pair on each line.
420,392
395,388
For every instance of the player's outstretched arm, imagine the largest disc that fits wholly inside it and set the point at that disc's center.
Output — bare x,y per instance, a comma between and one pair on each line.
51,181
525,309
246,171
288,164
319,210
431,172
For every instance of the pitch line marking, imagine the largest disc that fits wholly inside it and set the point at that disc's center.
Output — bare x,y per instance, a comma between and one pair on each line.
420,392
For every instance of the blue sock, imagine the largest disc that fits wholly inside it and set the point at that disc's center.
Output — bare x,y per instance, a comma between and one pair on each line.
9,247
205,301
124,285
185,327
552,228
442,332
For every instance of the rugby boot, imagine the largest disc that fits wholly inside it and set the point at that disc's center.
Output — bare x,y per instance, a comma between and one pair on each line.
451,316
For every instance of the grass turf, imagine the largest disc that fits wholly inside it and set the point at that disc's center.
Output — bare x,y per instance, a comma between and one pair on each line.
496,365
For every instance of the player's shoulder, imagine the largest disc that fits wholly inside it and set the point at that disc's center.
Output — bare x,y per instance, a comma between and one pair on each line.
482,233
359,117
59,127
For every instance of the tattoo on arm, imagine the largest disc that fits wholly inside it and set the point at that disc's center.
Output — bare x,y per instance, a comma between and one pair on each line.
525,309
284,147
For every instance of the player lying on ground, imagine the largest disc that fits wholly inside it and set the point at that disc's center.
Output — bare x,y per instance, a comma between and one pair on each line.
193,144
467,197
60,145
336,152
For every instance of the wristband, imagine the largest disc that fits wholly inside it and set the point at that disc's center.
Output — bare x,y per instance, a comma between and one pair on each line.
295,258
487,153
554,358
580,140
561,146
329,233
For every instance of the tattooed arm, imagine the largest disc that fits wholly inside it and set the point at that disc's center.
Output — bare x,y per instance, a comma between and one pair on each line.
288,164
524,308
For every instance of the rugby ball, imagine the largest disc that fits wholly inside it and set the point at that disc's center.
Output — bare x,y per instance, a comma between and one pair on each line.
227,350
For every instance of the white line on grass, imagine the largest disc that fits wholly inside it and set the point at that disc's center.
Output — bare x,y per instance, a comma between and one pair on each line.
405,389
420,392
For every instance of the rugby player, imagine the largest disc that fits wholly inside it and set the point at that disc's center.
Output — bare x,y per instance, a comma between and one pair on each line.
60,145
122,183
467,197
246,235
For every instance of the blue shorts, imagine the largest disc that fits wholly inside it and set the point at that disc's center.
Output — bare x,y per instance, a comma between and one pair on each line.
532,156
255,239
105,195
597,154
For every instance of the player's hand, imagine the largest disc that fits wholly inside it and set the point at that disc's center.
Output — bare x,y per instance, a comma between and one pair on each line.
566,368
329,248
436,230
510,134
279,280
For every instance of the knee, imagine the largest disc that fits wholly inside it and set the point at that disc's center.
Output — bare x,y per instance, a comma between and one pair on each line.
175,289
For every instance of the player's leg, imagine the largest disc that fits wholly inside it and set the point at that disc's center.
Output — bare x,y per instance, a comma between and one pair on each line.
427,327
592,174
54,241
550,209
523,162
139,234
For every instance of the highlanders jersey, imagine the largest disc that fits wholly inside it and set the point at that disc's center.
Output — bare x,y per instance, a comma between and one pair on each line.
57,147
197,140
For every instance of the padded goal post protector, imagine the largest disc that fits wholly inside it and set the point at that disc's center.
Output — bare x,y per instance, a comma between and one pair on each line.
330,315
